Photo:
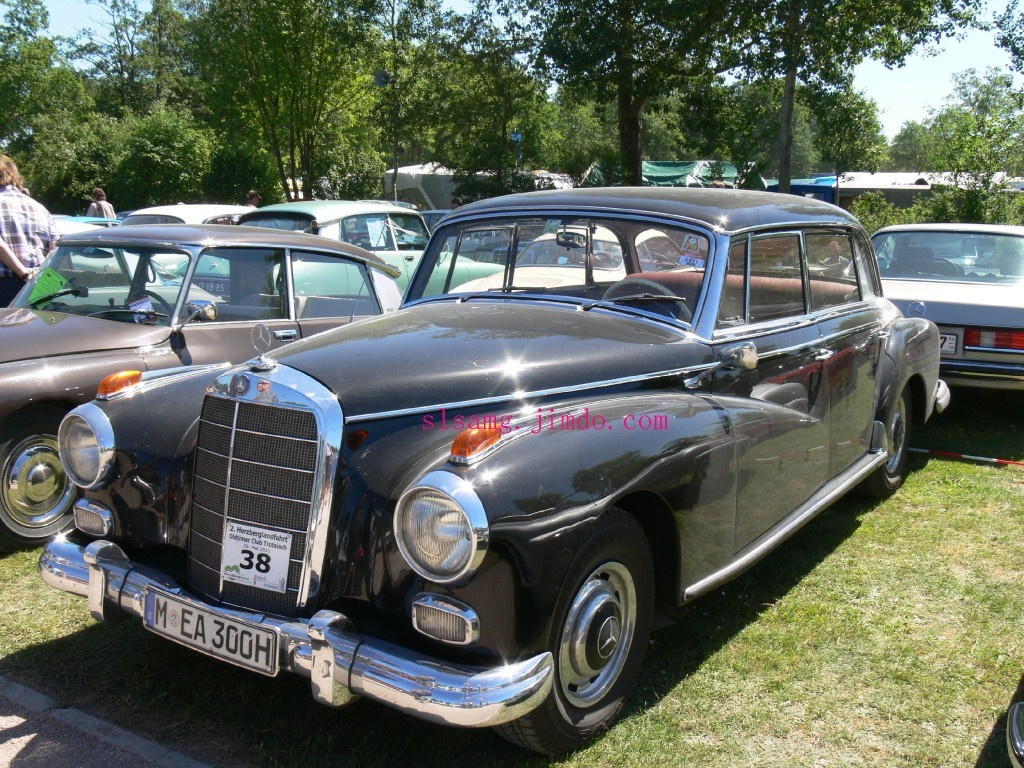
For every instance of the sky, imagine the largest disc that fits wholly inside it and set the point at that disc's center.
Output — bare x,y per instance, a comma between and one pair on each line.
902,94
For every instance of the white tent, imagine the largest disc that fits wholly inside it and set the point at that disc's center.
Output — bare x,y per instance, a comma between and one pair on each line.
427,186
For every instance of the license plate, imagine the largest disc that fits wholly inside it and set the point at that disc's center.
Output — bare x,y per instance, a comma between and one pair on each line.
947,343
237,642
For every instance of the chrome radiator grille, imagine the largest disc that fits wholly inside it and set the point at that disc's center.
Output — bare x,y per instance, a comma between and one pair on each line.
255,463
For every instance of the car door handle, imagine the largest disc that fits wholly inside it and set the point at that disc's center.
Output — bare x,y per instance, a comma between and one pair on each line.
286,335
409,257
823,354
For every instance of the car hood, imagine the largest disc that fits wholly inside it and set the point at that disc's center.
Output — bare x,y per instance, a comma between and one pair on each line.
27,334
956,303
451,352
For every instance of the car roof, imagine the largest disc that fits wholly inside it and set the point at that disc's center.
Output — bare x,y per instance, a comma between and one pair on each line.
979,229
192,212
726,210
329,210
220,235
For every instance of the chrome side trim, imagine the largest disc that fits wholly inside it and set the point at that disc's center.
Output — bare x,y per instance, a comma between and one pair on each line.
829,493
326,649
994,350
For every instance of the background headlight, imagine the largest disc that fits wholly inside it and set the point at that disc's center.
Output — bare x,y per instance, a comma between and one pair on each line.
85,442
441,527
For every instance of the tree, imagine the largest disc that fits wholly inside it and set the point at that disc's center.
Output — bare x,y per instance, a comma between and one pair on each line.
495,112
299,75
912,149
166,159
35,79
818,42
1010,26
628,52
849,133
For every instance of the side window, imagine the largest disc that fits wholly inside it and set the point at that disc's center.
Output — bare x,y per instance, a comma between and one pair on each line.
244,283
327,286
659,250
732,309
776,287
830,268
370,232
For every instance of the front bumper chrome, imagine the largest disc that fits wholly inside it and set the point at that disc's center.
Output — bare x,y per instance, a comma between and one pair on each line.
327,649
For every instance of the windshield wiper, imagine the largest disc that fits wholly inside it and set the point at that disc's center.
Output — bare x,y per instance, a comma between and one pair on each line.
632,297
83,291
491,291
143,312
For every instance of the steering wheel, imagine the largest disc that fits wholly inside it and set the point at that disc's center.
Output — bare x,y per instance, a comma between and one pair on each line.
164,306
638,286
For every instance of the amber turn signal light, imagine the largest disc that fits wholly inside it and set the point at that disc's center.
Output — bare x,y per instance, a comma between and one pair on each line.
115,382
472,442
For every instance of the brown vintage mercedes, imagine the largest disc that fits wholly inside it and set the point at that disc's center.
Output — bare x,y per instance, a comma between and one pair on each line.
150,298
594,407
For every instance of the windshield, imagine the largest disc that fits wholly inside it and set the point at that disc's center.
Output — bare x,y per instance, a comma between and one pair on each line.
974,257
383,231
656,268
292,222
129,285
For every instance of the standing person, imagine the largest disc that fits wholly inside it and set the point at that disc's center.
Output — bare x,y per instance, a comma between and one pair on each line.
99,206
253,199
26,228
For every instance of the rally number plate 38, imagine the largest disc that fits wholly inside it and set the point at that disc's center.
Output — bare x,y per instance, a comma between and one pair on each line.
226,638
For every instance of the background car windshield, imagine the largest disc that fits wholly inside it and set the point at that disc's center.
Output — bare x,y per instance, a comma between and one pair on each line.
287,221
580,257
953,256
150,218
122,284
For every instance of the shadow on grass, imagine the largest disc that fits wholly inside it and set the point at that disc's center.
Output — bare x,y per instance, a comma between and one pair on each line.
978,422
226,716
710,622
994,753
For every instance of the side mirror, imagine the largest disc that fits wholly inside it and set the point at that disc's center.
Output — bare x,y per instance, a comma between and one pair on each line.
742,356
201,309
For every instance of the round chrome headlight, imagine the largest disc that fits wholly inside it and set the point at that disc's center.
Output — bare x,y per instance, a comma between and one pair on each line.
441,527
85,442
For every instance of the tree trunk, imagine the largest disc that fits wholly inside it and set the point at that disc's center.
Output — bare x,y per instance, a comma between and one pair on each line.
786,130
630,110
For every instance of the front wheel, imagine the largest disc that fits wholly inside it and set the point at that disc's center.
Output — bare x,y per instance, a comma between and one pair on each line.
35,493
886,480
599,635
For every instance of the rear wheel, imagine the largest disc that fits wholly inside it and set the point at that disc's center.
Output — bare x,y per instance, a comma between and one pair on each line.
598,638
885,480
35,493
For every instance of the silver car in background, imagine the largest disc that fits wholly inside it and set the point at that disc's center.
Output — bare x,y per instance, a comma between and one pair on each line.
969,280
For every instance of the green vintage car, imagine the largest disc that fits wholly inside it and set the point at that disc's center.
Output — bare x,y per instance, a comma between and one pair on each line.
393,232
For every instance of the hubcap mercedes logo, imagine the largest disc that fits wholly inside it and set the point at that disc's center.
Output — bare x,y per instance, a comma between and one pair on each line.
608,637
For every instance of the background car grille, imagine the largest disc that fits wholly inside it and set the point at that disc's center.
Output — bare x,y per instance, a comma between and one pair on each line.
255,463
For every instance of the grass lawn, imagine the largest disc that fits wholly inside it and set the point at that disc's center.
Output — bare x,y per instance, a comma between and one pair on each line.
882,634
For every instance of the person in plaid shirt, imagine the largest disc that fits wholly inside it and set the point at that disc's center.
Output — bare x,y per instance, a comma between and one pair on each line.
27,232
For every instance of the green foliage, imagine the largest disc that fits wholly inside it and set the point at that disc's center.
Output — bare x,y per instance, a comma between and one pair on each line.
875,212
72,157
849,134
912,149
238,165
166,160
1010,25
353,174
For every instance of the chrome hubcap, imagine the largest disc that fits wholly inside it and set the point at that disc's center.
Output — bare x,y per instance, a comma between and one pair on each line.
35,489
898,437
597,635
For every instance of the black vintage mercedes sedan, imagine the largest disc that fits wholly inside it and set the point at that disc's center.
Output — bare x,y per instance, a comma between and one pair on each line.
151,298
594,407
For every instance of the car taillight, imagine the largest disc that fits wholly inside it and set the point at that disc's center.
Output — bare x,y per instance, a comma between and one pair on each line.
993,339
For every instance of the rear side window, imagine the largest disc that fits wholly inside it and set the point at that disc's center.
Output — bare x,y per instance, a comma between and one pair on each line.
776,286
830,269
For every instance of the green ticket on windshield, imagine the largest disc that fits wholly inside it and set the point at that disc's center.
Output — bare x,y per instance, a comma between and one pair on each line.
48,282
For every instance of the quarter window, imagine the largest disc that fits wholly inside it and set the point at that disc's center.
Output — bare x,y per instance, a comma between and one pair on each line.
330,287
